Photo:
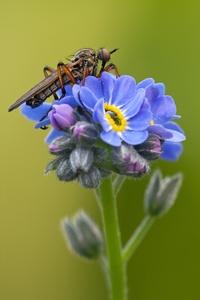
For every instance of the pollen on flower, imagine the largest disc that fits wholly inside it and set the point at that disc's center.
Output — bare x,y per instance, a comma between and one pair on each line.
115,127
109,118
115,117
152,122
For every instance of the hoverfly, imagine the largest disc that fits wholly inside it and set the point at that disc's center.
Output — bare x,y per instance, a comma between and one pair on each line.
84,63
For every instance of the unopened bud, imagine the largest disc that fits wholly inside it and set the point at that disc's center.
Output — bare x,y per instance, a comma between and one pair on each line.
52,165
62,145
151,149
90,179
161,194
81,159
83,236
61,116
64,170
128,162
85,133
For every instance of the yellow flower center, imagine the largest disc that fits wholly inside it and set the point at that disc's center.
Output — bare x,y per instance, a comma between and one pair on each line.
115,118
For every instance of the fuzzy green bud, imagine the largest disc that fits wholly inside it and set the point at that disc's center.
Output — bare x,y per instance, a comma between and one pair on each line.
83,236
161,193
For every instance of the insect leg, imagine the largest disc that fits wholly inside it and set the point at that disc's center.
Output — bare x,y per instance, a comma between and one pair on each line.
109,68
47,69
85,74
61,66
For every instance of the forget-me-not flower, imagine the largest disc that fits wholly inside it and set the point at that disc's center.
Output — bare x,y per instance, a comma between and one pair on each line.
122,110
163,111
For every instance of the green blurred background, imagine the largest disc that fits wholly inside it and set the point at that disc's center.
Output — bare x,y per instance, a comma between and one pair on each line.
158,39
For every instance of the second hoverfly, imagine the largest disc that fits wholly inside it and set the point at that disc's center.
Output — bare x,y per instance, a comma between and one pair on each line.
84,63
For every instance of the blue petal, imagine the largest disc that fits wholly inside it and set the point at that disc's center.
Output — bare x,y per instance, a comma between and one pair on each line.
76,90
35,114
154,91
160,130
171,151
173,126
146,104
132,107
111,138
144,83
176,136
84,96
94,85
68,90
107,84
161,88
45,122
163,109
99,115
53,134
141,121
123,91
176,117
134,137
70,100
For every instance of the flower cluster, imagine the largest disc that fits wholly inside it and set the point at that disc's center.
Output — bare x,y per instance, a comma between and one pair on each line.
107,125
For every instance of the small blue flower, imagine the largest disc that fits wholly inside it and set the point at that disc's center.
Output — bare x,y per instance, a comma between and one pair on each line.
117,106
163,111
40,112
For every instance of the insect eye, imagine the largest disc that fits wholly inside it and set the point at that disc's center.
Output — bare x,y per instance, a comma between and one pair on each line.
104,55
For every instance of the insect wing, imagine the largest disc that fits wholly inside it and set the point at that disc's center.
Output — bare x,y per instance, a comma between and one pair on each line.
45,83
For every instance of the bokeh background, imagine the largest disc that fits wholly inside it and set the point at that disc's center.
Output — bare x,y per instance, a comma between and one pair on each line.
159,39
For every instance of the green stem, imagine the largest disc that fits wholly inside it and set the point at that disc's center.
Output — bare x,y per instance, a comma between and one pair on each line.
117,183
137,237
113,243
